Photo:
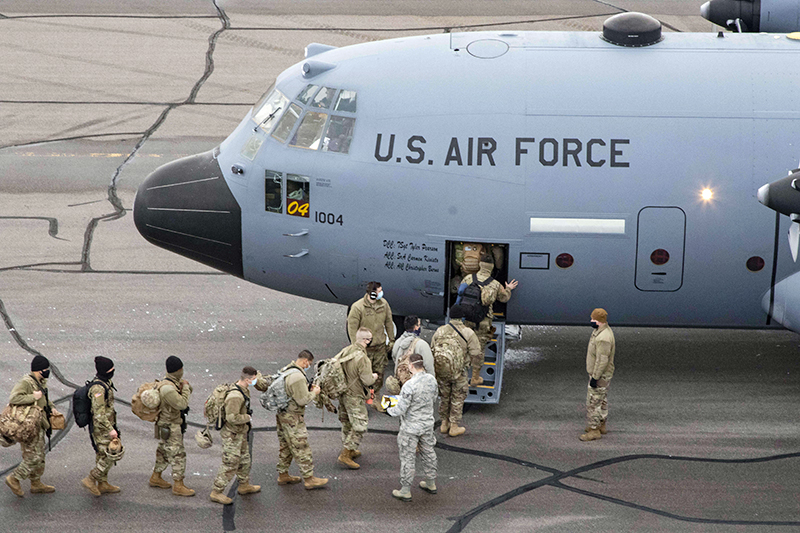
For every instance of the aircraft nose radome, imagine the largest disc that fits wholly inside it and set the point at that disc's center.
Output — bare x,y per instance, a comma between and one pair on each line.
704,10
186,207
763,194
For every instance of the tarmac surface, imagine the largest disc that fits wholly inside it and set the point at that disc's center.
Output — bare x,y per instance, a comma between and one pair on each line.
95,95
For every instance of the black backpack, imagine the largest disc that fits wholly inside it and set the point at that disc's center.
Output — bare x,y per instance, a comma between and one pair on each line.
472,302
82,404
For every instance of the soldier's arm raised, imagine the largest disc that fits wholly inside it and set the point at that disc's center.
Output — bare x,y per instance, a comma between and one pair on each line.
262,383
173,398
503,293
233,406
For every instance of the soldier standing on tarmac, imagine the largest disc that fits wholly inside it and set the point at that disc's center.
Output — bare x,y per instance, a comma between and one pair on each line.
235,446
352,402
600,367
291,425
415,409
103,427
170,427
491,292
373,312
32,390
454,389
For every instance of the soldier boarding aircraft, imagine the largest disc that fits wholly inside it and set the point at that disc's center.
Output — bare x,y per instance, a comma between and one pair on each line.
616,169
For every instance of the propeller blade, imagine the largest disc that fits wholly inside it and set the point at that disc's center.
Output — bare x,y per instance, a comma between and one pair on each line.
794,239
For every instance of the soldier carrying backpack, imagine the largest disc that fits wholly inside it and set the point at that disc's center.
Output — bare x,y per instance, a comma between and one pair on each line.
454,346
293,385
477,293
409,343
170,425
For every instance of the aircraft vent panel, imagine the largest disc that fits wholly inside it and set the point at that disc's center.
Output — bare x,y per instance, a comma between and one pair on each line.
632,29
487,48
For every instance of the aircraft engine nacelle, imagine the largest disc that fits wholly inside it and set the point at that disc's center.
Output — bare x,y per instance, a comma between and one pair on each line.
783,195
771,16
784,303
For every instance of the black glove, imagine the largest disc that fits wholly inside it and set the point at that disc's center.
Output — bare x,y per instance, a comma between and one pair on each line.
593,383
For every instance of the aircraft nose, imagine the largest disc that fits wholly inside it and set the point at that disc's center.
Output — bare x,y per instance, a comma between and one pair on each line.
186,207
763,194
704,10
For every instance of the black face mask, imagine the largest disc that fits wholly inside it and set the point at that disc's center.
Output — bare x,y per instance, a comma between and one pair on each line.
106,376
594,325
45,373
369,342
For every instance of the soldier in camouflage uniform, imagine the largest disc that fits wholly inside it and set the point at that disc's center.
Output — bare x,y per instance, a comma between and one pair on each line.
170,427
291,425
415,409
466,258
352,402
373,312
454,389
103,427
235,446
491,293
600,367
32,390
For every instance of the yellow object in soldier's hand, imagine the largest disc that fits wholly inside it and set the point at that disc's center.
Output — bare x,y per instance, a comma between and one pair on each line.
388,401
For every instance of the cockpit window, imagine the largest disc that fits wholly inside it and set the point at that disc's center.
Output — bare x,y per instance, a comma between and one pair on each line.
324,98
339,135
306,94
309,132
346,101
297,195
284,127
273,192
272,105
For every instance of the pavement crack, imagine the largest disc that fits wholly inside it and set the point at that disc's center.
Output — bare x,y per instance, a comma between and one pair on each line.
212,44
52,231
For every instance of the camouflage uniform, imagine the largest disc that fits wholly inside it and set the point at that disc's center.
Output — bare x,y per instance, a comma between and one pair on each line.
491,293
33,452
235,448
454,391
104,420
415,409
352,403
599,366
377,317
291,425
175,395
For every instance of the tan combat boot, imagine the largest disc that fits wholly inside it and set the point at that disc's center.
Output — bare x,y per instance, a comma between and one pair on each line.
217,496
285,479
592,434
105,488
37,487
456,430
312,482
13,484
603,429
91,485
354,454
247,488
428,486
179,489
445,426
346,458
475,381
157,481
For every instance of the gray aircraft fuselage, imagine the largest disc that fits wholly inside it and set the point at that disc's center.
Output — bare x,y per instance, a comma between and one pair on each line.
550,143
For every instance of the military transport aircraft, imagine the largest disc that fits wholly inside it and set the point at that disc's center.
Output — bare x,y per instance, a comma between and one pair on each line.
616,169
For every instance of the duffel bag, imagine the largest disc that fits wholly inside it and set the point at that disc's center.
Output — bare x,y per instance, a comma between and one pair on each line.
21,423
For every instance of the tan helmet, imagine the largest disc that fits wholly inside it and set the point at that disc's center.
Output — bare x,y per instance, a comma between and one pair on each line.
203,438
151,398
115,449
393,385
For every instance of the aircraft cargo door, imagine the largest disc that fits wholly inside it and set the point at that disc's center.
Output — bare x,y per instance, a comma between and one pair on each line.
660,243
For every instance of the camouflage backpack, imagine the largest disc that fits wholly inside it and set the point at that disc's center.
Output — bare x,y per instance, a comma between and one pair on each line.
275,397
402,373
330,375
145,403
448,355
214,408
